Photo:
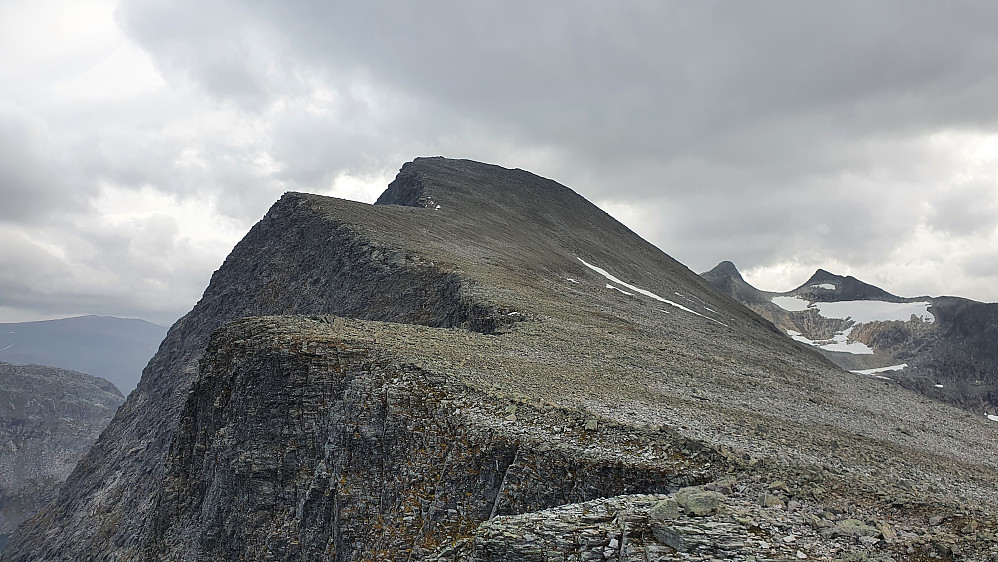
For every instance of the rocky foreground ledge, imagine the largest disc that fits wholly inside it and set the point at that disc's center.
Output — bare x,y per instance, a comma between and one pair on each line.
303,439
306,438
738,517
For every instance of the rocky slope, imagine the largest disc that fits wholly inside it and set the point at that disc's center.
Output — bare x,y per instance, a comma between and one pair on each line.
48,419
114,348
484,366
943,347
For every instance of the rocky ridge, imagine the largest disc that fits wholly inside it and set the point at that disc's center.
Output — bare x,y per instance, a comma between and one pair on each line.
482,356
49,418
951,355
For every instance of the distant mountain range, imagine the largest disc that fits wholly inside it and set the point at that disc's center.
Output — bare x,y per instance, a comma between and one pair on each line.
48,419
116,349
943,347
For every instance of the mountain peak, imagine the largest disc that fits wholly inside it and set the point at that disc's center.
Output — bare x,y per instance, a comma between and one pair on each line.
725,269
726,279
442,183
843,288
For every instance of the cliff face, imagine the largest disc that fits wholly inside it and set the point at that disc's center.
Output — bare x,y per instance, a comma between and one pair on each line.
49,418
461,371
296,260
303,440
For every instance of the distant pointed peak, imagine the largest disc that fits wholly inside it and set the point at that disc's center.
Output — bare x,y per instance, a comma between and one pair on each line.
846,287
825,274
725,269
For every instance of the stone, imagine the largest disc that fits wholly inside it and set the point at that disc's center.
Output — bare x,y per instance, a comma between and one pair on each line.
698,502
665,510
851,528
770,500
701,534
971,527
886,531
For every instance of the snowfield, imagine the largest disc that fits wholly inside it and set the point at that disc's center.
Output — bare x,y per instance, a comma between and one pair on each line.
859,312
862,312
839,342
793,304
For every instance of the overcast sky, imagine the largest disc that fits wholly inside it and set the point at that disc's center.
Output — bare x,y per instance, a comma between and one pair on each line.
140,139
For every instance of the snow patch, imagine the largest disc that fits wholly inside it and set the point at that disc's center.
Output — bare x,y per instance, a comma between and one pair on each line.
569,279
681,307
992,418
609,286
649,294
792,304
861,312
839,342
880,369
619,282
827,286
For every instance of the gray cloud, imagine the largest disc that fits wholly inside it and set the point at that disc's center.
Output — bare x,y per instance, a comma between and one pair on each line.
781,135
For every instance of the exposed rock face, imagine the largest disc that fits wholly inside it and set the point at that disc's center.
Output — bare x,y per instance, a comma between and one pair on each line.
48,419
951,356
483,367
300,441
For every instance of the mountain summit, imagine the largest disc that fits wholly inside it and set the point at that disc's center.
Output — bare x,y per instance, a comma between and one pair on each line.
726,278
486,366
